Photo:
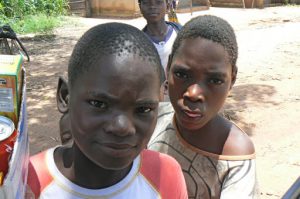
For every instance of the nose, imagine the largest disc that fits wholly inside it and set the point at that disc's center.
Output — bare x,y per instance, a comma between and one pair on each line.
121,125
194,93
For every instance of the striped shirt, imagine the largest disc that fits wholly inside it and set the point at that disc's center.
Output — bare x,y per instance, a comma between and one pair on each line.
207,175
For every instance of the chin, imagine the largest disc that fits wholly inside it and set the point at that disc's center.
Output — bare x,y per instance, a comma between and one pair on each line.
190,125
117,166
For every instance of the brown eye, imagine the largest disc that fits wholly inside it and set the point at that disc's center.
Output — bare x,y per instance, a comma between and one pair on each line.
216,81
144,109
98,104
180,74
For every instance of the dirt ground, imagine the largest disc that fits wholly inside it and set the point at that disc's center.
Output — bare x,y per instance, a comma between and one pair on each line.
265,101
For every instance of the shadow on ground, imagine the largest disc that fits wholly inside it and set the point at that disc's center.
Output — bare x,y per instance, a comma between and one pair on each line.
49,59
244,97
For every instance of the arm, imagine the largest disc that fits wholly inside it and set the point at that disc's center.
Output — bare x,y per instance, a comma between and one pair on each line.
240,181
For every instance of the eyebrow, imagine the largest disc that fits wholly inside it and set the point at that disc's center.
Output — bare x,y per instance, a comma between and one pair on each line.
209,71
102,95
181,66
147,102
115,99
219,74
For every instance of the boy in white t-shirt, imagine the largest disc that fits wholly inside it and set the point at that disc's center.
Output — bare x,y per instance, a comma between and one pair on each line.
112,102
161,33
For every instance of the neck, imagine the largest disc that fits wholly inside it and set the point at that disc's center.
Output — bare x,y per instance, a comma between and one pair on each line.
86,173
211,137
159,28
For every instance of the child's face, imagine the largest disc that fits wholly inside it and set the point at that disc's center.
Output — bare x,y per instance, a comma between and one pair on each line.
153,10
113,109
200,77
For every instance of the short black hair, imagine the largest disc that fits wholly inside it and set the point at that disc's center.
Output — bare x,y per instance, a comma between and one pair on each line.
211,28
107,39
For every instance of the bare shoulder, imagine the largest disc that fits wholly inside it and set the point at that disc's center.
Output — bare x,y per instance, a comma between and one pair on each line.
238,142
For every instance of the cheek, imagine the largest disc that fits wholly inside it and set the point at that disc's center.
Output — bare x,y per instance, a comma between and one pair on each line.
175,88
145,126
84,121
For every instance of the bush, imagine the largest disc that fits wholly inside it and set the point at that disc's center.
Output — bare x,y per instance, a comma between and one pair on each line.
36,23
31,16
21,8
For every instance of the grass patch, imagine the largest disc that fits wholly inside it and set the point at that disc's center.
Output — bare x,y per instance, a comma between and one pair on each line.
39,23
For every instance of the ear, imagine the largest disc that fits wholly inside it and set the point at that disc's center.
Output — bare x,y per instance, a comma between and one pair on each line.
62,95
233,76
168,65
164,91
166,87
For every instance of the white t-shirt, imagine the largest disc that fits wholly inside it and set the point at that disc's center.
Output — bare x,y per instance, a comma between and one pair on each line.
164,49
152,176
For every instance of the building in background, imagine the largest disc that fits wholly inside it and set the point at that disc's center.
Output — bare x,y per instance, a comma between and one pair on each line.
130,8
105,8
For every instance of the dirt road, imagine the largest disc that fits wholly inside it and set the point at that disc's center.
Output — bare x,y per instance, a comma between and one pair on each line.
265,101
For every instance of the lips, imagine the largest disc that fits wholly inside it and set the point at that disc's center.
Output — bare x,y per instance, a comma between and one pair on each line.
193,114
118,146
118,150
153,14
189,117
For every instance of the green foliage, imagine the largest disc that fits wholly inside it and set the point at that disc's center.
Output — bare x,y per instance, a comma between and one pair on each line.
39,23
21,8
31,16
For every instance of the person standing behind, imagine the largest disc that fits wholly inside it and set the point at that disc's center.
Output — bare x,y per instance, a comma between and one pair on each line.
161,33
216,156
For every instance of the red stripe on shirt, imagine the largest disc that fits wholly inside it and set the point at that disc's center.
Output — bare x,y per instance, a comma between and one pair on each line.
38,175
165,174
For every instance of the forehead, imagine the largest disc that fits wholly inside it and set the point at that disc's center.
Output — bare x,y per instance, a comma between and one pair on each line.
200,52
202,48
126,68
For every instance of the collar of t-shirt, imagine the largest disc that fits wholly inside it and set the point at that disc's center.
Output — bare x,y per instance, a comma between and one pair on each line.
166,37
